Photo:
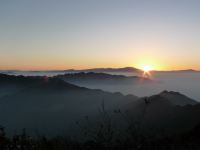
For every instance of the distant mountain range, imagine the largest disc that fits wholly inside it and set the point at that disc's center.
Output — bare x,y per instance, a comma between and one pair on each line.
51,106
102,78
177,71
125,69
95,70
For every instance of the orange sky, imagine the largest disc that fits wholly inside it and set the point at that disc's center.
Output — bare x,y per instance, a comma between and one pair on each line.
57,35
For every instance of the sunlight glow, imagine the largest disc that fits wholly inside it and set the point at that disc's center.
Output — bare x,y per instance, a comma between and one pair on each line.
147,68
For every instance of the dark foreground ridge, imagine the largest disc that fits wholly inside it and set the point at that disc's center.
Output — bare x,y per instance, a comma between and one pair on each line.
185,141
101,120
51,105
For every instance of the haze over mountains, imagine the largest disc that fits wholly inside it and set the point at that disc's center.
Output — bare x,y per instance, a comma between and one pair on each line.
133,83
125,69
52,106
96,70
102,78
100,75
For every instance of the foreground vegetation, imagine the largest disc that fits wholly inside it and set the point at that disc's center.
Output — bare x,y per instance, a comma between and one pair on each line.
103,136
185,141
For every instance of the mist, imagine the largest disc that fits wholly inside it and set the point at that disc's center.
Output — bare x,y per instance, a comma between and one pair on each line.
184,82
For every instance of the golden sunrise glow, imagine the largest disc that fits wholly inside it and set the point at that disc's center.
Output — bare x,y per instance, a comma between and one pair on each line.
149,62
61,42
147,68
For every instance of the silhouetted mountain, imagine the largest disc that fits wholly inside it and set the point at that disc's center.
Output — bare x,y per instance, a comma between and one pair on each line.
51,105
177,98
102,78
19,80
125,69
171,98
167,111
11,84
178,71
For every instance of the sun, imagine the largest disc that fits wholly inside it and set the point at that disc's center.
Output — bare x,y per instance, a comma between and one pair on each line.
147,68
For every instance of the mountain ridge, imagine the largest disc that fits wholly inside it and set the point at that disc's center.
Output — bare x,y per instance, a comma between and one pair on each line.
93,78
51,105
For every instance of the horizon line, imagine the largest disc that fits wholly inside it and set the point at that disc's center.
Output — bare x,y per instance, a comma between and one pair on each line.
46,70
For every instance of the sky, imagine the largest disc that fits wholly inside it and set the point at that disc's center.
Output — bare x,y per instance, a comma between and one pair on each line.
65,34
